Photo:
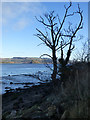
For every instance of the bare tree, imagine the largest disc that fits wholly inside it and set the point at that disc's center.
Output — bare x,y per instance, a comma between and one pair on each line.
56,37
82,54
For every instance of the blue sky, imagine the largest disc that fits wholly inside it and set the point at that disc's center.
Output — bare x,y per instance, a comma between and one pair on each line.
19,26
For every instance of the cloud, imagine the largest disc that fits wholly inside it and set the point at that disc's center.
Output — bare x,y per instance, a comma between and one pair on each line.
18,14
21,24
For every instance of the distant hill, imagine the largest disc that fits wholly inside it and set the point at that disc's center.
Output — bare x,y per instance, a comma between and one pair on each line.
27,60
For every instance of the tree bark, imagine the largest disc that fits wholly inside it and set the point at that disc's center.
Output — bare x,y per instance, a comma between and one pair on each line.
54,67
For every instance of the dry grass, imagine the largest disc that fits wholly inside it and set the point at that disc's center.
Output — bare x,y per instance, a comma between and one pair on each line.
74,95
76,92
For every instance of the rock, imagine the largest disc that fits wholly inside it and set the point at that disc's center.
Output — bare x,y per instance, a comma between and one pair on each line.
26,86
7,87
11,82
7,91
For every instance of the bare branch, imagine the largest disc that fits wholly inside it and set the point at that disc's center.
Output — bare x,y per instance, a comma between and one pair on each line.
58,40
63,46
72,47
40,44
44,39
59,19
45,55
67,35
42,21
48,66
70,14
63,20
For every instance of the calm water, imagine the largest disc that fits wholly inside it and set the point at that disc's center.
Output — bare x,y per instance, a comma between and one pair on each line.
17,73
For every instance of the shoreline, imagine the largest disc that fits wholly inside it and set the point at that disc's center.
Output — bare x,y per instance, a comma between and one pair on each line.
24,99
50,102
32,80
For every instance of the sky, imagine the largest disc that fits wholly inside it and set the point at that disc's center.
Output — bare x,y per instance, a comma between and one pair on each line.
19,26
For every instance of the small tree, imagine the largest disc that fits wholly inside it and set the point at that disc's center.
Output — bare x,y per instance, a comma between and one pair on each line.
82,55
56,37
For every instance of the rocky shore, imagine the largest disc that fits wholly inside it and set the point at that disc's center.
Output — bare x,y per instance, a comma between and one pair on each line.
31,103
40,102
49,102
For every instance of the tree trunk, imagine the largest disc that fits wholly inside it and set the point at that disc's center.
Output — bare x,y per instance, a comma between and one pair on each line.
64,69
54,67
68,56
